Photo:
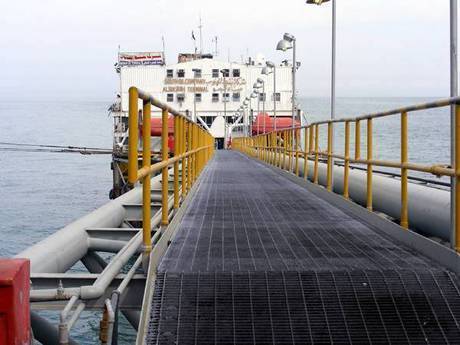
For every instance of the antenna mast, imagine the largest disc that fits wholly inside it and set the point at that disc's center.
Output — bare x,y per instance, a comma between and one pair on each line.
201,37
215,42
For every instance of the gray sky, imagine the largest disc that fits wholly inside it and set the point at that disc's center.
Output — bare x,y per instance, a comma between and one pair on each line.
57,48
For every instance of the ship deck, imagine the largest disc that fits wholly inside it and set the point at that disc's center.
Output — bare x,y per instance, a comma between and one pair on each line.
259,259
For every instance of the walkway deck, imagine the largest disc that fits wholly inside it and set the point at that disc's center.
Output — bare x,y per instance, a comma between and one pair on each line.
258,259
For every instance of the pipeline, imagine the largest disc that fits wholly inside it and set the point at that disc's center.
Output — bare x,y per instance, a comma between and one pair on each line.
60,251
429,208
105,278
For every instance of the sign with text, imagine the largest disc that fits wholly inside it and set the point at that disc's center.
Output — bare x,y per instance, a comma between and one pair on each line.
231,84
140,59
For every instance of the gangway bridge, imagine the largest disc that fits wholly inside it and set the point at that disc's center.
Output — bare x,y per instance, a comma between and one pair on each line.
266,243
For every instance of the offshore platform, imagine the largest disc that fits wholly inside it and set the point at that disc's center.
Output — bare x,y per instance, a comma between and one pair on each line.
265,243
233,228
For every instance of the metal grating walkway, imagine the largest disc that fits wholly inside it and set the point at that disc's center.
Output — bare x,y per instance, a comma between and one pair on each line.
258,259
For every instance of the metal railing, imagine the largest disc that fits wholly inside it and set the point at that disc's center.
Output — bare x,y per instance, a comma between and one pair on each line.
276,148
193,147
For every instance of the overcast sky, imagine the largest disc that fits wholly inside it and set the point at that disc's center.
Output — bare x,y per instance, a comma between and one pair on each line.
58,48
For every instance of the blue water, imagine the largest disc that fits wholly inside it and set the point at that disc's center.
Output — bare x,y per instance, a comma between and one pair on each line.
42,192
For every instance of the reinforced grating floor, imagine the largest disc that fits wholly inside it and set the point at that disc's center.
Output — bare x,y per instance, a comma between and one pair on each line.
259,260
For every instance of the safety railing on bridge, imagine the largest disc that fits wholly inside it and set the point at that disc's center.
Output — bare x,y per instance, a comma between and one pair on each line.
193,147
282,148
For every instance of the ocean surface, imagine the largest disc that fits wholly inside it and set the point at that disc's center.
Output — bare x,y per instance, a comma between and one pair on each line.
42,192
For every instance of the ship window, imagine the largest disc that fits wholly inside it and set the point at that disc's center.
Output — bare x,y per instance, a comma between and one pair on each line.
277,97
208,120
170,97
180,97
226,97
197,73
236,72
262,97
198,97
169,73
215,73
215,97
180,73
236,97
226,73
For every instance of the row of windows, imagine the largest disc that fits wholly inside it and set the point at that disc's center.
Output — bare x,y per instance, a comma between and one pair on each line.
180,73
210,119
180,97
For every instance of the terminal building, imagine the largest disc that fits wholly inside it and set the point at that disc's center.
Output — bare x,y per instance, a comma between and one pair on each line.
210,90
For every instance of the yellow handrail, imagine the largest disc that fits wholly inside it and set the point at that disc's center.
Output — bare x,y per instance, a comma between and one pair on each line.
193,147
281,149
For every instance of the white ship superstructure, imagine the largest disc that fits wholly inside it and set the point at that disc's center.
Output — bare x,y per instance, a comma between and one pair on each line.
210,90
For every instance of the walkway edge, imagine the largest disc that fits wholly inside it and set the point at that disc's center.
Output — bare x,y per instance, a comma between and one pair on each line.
156,255
435,251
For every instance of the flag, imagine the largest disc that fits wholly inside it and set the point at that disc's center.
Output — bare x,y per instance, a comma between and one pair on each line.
193,36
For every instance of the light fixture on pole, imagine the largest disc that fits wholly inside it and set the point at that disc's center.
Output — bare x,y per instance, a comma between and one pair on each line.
262,82
319,2
271,68
289,42
246,103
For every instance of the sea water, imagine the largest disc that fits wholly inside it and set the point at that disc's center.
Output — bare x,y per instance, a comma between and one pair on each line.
42,192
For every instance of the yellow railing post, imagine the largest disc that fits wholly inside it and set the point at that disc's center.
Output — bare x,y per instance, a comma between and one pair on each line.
133,134
164,171
315,172
290,148
189,157
277,151
296,148
176,164
404,202
346,171
195,156
201,154
456,216
307,150
183,162
146,192
285,143
329,157
369,165
188,138
357,139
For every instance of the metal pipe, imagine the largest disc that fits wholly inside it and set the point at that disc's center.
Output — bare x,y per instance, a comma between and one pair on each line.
294,70
105,278
70,244
110,321
108,246
45,332
81,306
177,143
333,100
164,172
263,104
404,172
146,189
428,208
95,264
453,93
133,135
369,165
456,186
347,161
